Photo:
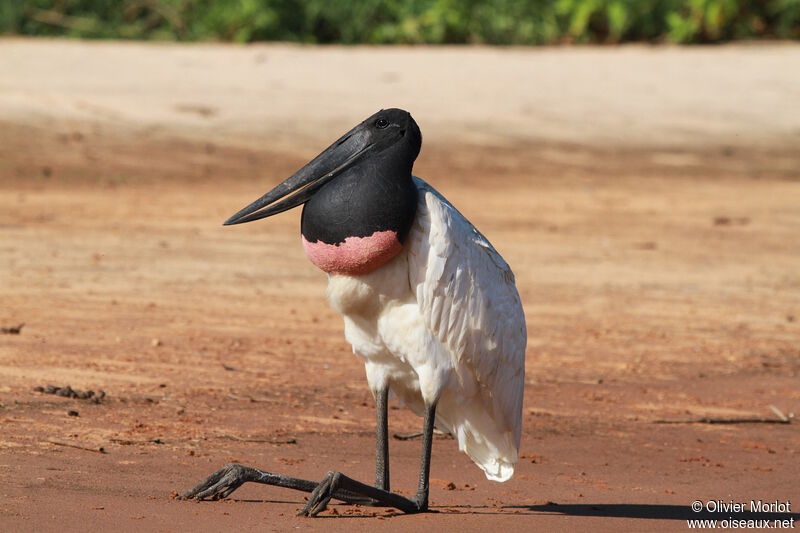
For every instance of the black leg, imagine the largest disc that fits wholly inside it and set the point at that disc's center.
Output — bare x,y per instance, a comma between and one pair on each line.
382,439
335,482
425,463
222,483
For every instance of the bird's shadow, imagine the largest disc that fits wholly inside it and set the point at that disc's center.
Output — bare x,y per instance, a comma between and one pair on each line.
645,511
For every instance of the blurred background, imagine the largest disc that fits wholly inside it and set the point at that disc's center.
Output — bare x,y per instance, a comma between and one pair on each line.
636,163
505,22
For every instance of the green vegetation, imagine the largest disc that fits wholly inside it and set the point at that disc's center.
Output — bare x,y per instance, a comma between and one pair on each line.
407,21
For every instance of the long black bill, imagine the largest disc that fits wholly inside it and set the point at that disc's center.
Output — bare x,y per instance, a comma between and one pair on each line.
302,185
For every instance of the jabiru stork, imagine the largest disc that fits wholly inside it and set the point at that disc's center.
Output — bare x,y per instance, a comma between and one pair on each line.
428,304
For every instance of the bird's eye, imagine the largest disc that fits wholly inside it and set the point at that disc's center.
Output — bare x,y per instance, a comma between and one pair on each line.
381,123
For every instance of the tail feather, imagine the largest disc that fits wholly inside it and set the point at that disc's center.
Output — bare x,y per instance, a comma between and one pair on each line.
495,452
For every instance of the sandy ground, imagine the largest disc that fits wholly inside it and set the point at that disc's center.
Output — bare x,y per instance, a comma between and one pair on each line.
287,96
647,199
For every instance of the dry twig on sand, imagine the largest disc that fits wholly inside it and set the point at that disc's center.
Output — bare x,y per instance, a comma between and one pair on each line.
286,440
418,434
782,419
77,446
250,399
69,392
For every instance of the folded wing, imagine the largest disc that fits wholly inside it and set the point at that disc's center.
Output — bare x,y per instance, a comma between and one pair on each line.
468,298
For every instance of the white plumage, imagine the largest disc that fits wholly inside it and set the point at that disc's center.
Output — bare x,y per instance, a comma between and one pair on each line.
442,321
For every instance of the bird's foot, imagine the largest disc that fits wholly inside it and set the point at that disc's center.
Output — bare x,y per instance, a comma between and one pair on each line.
223,482
336,482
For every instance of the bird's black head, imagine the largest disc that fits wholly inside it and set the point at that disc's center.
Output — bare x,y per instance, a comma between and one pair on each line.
359,196
389,138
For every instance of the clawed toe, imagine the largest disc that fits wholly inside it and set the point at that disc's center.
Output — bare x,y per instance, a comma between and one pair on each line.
218,485
321,496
